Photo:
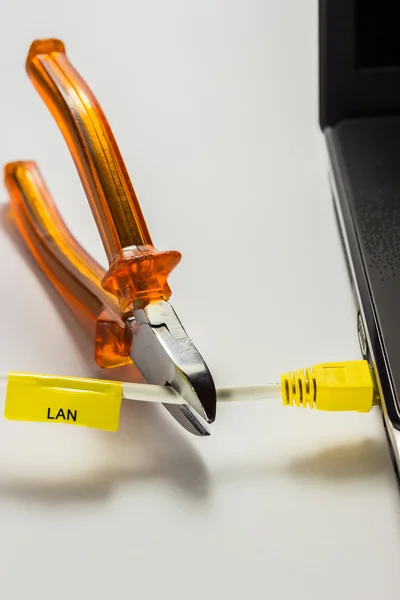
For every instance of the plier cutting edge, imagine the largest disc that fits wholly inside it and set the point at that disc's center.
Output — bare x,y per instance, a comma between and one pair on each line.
126,308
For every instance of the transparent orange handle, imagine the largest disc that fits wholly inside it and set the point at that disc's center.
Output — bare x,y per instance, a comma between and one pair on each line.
138,272
73,272
92,145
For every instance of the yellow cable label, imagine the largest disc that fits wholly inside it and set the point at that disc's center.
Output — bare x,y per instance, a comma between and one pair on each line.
70,400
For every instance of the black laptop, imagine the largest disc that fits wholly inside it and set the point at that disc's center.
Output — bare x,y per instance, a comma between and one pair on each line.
360,118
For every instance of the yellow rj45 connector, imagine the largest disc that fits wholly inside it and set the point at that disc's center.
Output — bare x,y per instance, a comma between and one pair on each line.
332,387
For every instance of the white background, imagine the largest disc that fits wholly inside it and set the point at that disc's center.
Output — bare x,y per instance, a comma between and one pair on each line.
214,106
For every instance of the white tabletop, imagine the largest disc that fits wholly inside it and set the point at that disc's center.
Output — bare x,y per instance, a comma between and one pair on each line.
214,106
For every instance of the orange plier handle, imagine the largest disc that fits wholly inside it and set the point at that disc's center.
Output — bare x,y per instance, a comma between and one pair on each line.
73,272
99,163
137,273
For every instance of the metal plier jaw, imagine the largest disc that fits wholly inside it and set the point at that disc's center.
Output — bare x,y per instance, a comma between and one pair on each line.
125,308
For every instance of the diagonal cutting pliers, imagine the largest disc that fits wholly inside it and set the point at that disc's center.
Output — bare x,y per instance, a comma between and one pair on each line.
126,308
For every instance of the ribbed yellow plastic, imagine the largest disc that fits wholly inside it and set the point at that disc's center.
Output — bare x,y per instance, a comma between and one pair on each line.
331,387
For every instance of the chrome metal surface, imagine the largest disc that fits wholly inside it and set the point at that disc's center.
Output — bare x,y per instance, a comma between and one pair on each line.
361,335
165,355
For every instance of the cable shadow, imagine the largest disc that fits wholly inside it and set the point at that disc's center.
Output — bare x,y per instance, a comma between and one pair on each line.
339,463
147,445
355,460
